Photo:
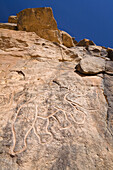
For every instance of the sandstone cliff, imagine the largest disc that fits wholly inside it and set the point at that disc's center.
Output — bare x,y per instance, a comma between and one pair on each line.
56,103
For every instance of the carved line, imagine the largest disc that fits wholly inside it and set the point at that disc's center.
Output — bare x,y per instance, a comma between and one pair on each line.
38,136
14,133
74,106
47,118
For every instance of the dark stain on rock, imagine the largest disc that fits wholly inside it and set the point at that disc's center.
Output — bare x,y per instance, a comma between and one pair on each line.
62,161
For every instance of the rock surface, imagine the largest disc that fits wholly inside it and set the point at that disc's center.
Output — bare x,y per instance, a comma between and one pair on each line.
52,117
12,19
42,22
91,65
67,40
109,67
85,42
10,26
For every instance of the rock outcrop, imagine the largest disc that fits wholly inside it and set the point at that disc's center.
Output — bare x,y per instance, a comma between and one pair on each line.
53,116
66,39
42,22
12,19
85,42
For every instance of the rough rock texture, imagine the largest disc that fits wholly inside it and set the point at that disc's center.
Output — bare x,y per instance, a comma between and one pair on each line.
10,26
52,117
12,19
109,67
67,40
42,22
91,65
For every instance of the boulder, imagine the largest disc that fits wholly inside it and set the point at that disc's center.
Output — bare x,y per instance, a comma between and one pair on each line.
91,65
39,20
85,42
12,19
10,26
67,40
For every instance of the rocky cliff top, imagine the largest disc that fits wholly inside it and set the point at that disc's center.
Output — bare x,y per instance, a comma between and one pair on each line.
56,97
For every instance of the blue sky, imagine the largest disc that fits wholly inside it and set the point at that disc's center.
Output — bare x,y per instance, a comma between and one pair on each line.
92,19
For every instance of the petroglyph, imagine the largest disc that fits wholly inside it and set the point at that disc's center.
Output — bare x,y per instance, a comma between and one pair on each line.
46,120
48,109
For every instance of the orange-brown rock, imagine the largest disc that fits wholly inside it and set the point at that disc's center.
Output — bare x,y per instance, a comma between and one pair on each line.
85,42
12,19
40,21
67,40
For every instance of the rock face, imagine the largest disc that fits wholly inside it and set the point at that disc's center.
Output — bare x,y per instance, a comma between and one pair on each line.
42,22
52,117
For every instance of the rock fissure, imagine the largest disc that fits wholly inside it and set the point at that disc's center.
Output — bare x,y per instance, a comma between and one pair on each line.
19,72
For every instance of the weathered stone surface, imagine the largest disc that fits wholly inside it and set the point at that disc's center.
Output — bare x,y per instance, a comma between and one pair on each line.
51,35
51,118
29,44
98,51
40,21
108,92
66,39
10,26
39,17
109,67
85,42
12,19
91,65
